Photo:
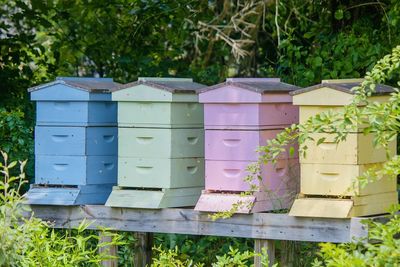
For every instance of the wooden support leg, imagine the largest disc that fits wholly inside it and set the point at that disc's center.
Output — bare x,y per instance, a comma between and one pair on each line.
143,246
289,250
109,250
269,245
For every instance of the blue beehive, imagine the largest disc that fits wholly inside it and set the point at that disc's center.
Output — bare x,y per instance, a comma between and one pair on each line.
75,142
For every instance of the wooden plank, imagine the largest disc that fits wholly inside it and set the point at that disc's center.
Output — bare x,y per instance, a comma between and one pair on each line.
269,245
188,221
142,249
108,250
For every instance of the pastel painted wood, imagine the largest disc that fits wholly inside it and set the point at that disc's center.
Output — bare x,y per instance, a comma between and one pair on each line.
160,103
160,172
239,145
153,199
343,208
75,170
239,116
214,201
161,143
329,182
76,141
160,115
231,175
358,148
75,102
66,196
341,180
249,104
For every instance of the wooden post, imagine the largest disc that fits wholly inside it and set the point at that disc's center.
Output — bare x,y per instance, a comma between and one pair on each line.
269,245
110,250
289,250
142,249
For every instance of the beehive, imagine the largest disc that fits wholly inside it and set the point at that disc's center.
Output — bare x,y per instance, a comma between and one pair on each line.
239,116
161,144
75,142
329,184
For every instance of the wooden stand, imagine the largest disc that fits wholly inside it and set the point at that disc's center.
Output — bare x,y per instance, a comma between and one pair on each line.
263,227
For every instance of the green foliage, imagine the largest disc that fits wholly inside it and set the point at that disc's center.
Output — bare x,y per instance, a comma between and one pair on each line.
233,258
171,258
382,250
28,241
16,137
202,249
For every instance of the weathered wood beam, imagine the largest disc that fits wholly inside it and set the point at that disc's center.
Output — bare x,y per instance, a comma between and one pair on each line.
188,221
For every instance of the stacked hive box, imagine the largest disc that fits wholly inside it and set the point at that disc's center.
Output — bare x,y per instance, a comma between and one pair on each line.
240,115
75,142
329,171
161,144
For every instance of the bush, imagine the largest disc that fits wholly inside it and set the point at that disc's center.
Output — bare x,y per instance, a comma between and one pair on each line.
16,138
28,241
382,250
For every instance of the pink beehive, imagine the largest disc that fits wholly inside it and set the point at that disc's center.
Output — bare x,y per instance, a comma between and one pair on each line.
239,116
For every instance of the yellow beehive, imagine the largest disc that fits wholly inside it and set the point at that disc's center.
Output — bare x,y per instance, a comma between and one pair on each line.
329,186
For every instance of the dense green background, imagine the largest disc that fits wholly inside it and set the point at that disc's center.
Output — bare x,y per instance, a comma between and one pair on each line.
126,39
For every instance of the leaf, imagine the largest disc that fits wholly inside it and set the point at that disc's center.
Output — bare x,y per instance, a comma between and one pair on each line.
317,61
339,14
320,141
291,151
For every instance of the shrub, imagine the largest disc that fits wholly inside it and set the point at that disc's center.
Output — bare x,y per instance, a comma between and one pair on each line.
28,241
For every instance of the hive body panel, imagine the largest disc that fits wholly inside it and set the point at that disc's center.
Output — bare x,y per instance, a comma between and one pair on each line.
231,175
76,141
160,172
341,180
161,143
160,115
358,148
75,170
249,116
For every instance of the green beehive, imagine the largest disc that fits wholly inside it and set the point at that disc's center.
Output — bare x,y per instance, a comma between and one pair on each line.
160,144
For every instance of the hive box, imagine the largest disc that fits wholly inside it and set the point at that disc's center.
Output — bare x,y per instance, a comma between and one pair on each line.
75,142
245,104
159,103
241,115
329,172
239,145
75,102
161,172
341,180
332,95
161,144
358,148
